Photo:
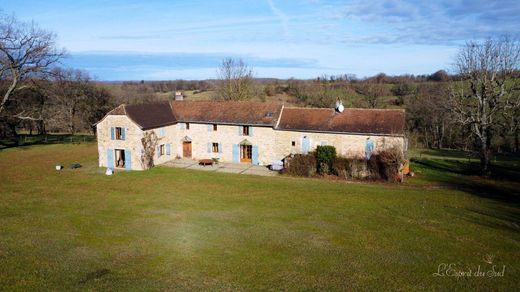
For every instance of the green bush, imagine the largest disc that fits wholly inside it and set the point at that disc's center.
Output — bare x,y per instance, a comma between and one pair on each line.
325,156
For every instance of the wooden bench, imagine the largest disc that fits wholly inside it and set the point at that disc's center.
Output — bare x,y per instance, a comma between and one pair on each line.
205,162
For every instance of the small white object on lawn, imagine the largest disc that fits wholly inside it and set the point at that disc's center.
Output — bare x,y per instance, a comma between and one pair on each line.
109,171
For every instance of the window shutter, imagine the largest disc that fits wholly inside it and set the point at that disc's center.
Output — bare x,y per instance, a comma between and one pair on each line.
158,151
168,149
210,128
128,159
236,153
110,158
181,125
122,133
254,156
219,147
305,145
209,147
240,131
113,133
250,131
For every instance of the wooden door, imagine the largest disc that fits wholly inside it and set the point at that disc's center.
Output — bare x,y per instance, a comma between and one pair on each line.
186,149
246,153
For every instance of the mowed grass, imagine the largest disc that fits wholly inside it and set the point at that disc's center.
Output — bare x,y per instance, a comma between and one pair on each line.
176,229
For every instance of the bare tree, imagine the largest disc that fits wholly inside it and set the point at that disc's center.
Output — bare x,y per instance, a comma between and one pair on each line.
26,51
235,80
372,92
70,88
486,89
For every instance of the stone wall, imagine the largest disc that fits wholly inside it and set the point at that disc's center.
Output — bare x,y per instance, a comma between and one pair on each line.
346,145
272,145
132,142
226,135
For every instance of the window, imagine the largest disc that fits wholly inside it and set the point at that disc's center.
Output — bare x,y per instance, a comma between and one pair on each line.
293,143
214,127
161,150
162,132
119,133
245,131
187,126
214,147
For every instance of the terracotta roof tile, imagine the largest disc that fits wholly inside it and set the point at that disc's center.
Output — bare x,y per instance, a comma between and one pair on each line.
369,121
227,112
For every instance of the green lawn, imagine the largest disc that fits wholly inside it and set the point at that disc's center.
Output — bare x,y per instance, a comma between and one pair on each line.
169,228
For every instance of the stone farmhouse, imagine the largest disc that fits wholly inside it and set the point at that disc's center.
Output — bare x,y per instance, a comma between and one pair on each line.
241,132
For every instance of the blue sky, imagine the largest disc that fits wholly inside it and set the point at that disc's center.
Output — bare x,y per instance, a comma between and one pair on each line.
160,39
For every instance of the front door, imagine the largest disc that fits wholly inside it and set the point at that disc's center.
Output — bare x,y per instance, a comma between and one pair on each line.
246,153
120,158
186,149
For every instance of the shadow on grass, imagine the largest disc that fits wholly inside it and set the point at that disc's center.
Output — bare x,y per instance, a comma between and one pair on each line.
30,140
502,188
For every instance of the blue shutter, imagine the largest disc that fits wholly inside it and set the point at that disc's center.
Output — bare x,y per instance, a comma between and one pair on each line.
168,149
236,153
181,125
210,128
219,147
239,130
128,159
112,133
369,148
122,133
251,131
209,147
110,158
305,145
255,155
158,151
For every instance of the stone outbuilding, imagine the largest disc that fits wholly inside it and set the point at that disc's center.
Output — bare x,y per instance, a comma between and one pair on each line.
240,132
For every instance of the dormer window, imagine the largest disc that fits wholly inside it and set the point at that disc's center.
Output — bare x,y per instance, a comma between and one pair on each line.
269,114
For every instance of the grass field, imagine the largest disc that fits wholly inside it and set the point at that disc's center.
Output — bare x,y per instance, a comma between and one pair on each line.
171,228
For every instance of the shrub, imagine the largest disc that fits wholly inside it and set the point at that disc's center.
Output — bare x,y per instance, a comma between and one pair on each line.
301,165
325,156
341,167
373,167
389,161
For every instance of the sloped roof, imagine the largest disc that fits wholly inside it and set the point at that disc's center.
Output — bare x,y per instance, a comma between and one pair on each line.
150,115
351,120
227,112
271,114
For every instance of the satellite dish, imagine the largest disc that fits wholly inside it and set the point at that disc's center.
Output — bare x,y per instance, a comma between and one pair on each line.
339,105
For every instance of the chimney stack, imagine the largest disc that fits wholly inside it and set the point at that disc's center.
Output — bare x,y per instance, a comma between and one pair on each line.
178,95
